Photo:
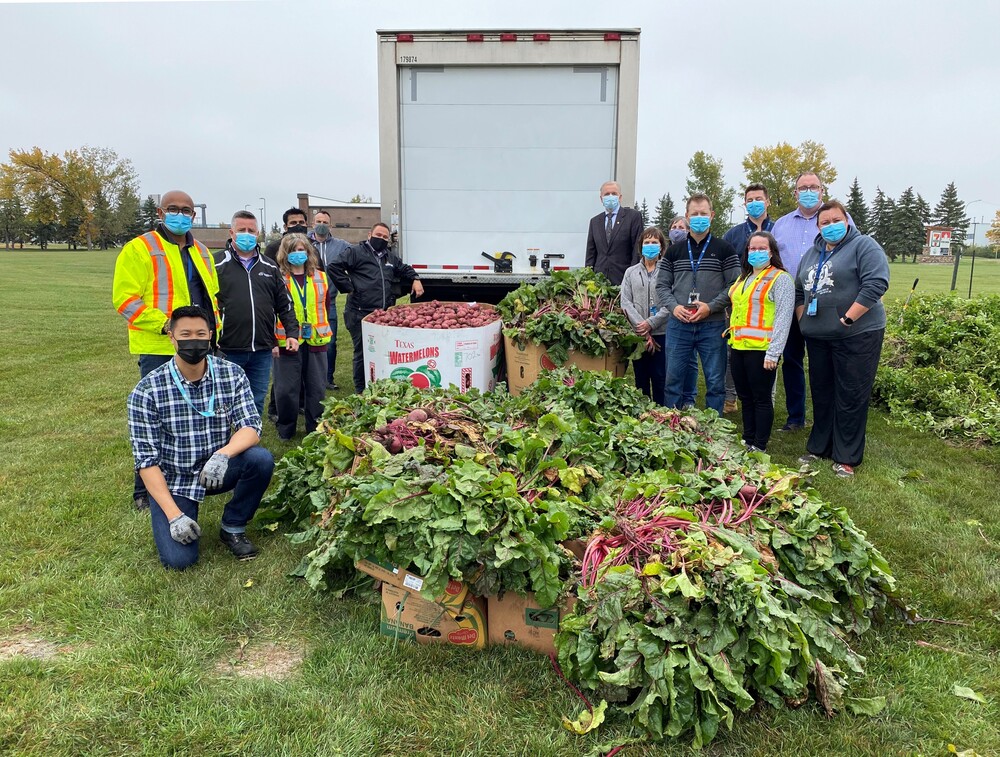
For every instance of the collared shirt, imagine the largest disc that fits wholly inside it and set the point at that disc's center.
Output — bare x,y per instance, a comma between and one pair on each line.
167,431
614,216
740,234
247,262
795,234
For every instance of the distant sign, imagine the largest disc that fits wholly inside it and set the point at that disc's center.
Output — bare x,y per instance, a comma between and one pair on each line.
940,242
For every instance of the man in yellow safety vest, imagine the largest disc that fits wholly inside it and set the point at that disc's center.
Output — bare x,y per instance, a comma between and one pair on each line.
156,273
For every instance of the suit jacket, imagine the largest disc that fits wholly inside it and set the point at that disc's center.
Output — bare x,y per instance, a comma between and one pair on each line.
612,258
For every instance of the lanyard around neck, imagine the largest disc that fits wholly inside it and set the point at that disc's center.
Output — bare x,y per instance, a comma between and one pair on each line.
696,266
302,291
175,374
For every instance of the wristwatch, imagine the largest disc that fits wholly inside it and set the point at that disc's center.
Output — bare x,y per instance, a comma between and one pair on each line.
847,321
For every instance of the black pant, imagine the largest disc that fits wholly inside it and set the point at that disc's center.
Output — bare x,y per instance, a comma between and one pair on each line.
753,387
793,375
352,320
147,363
841,376
295,373
651,371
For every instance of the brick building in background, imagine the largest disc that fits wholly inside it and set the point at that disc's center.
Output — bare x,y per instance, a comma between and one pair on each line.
350,221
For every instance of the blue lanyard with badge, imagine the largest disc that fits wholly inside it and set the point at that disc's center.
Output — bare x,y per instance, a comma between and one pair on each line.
306,328
210,412
811,309
694,296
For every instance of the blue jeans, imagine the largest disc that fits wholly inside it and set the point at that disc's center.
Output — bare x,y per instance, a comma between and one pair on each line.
257,366
331,350
247,477
684,341
689,389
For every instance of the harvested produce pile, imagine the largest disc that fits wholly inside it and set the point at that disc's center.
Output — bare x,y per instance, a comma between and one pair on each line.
570,310
711,580
940,369
436,315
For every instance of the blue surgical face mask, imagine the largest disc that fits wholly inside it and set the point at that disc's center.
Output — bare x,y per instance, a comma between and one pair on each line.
650,250
610,202
834,232
758,258
677,235
699,224
808,199
755,208
298,258
246,241
177,223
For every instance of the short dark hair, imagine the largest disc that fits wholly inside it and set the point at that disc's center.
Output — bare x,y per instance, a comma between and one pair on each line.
383,224
698,197
756,187
293,212
189,311
245,214
321,212
747,269
808,173
832,205
656,233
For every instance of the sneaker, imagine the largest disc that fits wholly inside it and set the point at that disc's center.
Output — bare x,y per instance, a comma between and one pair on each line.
731,406
809,457
792,427
141,502
241,547
331,384
843,470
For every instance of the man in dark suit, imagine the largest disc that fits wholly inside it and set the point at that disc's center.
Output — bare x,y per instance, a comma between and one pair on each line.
613,238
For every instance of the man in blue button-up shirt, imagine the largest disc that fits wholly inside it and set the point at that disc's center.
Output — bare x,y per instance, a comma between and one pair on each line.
195,430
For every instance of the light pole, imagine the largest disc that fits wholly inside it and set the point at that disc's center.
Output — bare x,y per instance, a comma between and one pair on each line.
958,255
246,206
263,214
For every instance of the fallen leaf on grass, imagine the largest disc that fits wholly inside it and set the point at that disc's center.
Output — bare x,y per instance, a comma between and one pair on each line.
973,523
966,693
248,583
964,753
587,721
865,705
271,526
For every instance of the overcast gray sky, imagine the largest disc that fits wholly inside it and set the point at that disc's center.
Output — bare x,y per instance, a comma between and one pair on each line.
237,100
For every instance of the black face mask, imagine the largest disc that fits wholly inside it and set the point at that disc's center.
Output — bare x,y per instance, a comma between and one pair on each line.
378,244
193,351
297,229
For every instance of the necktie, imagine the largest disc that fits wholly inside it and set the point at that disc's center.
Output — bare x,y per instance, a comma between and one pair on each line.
608,227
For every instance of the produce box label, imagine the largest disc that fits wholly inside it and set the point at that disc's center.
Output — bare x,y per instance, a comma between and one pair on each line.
433,357
406,615
451,600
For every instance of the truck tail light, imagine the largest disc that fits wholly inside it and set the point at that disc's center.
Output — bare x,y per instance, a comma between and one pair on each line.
541,37
612,37
508,37
404,37
473,37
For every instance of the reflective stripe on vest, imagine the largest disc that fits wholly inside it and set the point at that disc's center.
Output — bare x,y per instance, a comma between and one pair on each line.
322,332
751,326
163,280
132,308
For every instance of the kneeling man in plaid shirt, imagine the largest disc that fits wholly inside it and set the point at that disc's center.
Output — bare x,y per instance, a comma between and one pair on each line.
195,431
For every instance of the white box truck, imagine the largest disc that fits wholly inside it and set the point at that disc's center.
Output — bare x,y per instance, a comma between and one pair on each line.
494,145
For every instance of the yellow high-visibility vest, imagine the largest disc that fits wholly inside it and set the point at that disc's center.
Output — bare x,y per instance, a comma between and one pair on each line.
752,319
312,311
150,283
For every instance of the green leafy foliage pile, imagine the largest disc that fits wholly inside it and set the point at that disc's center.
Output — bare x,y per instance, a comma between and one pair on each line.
570,310
940,368
693,602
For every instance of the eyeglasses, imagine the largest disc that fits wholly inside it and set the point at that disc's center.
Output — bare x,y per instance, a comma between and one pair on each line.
810,188
185,211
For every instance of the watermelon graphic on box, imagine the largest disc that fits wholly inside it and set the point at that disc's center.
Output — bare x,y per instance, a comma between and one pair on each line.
424,377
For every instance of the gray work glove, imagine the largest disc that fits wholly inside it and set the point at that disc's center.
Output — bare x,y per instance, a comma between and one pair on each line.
214,471
184,529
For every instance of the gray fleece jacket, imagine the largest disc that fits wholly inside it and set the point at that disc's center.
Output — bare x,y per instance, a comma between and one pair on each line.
639,301
856,270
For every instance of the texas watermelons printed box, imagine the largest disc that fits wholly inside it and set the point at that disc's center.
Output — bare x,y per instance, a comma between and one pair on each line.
427,357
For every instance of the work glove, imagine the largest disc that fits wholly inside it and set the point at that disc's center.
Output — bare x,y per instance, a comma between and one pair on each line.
184,529
214,471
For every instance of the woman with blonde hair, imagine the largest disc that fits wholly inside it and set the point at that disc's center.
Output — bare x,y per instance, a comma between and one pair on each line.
302,373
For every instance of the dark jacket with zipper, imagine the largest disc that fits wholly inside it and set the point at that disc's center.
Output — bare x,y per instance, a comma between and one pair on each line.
370,280
249,301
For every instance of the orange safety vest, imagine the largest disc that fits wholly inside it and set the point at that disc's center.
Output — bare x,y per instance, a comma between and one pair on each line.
752,319
312,311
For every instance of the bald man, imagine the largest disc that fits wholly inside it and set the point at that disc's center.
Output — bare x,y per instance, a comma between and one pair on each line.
156,273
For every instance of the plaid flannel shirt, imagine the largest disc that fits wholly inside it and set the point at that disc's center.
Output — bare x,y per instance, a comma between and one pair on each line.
166,431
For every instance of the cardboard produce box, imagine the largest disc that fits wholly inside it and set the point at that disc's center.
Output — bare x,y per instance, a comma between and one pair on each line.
519,620
525,364
467,358
407,615
452,600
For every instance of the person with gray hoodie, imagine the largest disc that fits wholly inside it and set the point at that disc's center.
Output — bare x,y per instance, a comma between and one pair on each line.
838,304
638,296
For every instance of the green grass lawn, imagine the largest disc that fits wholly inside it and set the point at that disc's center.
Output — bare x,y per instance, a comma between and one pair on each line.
118,656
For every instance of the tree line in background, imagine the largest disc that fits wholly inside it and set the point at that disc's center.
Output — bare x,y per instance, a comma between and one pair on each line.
897,224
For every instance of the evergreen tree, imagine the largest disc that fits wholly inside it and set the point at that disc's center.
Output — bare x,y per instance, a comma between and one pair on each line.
13,221
149,217
877,218
128,215
924,208
909,226
950,211
43,217
105,225
890,229
665,213
644,210
857,208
